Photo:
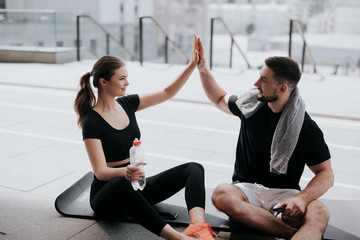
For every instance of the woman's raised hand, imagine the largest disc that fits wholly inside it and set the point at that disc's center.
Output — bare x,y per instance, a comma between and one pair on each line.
195,53
202,63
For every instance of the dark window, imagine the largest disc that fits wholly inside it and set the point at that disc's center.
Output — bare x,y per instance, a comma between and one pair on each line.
2,4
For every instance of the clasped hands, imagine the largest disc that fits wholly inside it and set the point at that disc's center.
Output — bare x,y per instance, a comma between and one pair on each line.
198,57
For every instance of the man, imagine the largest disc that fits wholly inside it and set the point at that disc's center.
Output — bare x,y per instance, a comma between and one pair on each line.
277,138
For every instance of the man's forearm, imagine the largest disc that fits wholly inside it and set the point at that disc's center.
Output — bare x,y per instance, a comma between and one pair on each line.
318,186
212,90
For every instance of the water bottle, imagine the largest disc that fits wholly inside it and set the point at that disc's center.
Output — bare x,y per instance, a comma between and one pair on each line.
137,155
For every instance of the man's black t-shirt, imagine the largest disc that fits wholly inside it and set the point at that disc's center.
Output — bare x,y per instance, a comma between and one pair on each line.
253,149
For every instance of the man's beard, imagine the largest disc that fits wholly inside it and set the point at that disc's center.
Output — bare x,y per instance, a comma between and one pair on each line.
272,98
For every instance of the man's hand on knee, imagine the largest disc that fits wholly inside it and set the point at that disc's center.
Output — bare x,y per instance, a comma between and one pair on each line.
294,207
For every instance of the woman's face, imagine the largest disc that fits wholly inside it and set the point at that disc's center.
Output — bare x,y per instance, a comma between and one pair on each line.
118,82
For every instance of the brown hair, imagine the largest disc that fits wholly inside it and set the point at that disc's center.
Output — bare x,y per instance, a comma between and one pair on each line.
85,98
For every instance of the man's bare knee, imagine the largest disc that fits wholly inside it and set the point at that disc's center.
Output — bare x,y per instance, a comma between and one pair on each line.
315,221
219,194
317,212
225,195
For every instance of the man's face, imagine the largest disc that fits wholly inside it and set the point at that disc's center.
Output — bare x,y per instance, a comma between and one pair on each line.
266,85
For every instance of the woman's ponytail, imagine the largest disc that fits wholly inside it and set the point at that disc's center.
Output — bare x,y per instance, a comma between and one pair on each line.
85,98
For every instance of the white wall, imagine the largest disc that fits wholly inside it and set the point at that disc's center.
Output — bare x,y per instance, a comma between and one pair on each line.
347,18
76,6
269,19
109,11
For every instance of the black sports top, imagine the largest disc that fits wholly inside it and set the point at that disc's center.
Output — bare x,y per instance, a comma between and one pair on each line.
253,149
116,143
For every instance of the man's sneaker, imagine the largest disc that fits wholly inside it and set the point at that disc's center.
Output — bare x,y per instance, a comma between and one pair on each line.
201,230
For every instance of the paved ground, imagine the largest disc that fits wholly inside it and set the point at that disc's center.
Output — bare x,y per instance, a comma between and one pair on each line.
42,154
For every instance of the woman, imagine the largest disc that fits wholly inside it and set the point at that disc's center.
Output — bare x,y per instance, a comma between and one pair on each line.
109,127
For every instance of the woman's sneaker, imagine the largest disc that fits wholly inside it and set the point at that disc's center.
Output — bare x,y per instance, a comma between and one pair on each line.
188,237
202,230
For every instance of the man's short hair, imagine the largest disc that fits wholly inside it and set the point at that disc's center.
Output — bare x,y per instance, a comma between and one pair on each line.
286,70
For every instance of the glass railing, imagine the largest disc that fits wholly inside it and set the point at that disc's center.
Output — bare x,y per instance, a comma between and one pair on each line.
64,30
53,31
233,43
158,47
305,48
44,30
94,38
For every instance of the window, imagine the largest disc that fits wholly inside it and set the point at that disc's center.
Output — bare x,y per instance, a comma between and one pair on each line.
2,4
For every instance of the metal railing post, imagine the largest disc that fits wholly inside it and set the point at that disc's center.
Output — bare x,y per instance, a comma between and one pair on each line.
55,30
104,31
211,41
167,41
303,57
107,44
166,49
231,52
305,46
141,41
78,38
290,36
233,42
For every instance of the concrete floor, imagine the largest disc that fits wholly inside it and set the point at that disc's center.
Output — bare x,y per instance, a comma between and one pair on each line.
42,153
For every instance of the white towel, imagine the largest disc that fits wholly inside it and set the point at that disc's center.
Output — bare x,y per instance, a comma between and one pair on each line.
287,130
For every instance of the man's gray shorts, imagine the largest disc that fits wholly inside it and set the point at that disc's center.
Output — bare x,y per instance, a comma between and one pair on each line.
264,197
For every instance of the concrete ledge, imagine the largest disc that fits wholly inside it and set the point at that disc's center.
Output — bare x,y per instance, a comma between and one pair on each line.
19,54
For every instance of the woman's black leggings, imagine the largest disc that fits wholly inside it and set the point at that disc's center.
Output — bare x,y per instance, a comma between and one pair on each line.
117,197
